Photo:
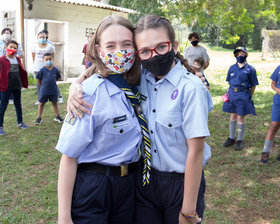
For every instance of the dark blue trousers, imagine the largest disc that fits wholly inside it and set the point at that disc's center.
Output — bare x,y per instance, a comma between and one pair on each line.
161,201
103,199
5,96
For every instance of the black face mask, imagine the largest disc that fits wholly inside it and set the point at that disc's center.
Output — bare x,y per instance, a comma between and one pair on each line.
195,42
160,65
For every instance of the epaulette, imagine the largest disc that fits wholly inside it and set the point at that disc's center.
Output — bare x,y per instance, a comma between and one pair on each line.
90,85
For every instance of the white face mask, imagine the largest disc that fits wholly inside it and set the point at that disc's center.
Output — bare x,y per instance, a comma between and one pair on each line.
6,36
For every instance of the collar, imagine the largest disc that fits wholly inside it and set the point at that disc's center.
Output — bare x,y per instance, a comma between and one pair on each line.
245,65
112,88
173,76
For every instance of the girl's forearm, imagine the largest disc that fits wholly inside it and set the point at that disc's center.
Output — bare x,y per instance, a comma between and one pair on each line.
66,180
193,173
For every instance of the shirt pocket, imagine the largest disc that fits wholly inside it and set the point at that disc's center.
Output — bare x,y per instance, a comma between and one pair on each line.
170,127
119,128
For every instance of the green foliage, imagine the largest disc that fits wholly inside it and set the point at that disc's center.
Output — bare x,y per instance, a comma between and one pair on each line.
228,23
31,79
143,7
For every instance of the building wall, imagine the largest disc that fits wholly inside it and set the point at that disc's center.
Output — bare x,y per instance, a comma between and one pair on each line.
11,5
77,19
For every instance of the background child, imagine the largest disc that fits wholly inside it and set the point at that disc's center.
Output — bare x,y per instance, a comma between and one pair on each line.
12,78
39,49
47,77
242,79
60,98
275,117
198,65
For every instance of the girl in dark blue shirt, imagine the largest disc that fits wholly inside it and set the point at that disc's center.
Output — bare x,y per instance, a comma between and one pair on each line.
275,117
242,79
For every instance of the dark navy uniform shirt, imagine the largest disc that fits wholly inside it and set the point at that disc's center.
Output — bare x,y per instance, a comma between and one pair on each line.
48,78
275,76
242,77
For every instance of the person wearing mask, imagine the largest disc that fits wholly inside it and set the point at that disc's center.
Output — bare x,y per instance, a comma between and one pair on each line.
196,50
39,49
6,36
60,98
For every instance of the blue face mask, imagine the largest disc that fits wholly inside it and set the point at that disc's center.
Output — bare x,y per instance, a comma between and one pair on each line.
48,63
42,40
241,59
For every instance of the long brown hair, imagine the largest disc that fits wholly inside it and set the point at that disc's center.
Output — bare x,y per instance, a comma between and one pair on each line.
154,22
133,75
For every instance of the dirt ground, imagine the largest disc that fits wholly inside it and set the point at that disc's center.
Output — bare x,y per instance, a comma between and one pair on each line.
220,61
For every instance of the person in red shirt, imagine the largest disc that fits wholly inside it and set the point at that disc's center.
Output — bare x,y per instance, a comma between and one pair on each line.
12,78
86,62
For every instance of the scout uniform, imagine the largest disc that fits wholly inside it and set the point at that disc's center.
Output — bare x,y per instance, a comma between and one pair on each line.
106,144
275,114
240,82
176,108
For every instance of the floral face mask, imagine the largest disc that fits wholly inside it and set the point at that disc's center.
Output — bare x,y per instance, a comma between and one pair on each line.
119,61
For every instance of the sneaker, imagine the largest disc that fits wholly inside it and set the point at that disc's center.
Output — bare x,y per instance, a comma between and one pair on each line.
60,100
239,145
278,157
265,157
36,103
38,121
229,142
22,125
58,119
2,131
11,101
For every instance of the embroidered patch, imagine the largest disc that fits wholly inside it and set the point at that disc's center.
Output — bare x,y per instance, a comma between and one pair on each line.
174,94
119,119
70,120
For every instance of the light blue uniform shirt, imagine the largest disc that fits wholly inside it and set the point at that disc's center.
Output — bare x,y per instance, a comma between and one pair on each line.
176,108
110,135
3,50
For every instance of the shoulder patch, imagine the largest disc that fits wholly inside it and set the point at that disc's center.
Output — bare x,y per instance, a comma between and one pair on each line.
91,84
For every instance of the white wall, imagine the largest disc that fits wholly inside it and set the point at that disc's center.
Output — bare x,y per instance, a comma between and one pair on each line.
11,5
78,18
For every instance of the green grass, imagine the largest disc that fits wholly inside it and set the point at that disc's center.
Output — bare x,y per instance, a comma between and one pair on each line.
239,189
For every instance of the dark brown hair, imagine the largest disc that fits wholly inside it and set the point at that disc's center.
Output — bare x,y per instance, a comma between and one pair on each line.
6,29
195,35
199,61
133,75
11,42
154,22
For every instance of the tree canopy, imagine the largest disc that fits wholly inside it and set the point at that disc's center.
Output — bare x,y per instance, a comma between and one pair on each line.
220,22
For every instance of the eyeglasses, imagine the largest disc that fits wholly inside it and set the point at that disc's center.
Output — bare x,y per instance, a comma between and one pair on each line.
160,49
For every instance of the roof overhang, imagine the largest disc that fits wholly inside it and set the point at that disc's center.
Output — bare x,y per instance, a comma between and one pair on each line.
97,5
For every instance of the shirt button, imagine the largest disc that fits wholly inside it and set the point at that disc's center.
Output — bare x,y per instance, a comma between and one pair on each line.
151,131
121,131
155,89
154,110
170,125
155,150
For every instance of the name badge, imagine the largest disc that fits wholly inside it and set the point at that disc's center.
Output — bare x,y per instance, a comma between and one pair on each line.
120,119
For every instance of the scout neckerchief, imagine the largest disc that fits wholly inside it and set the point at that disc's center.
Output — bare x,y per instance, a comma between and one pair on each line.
133,95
